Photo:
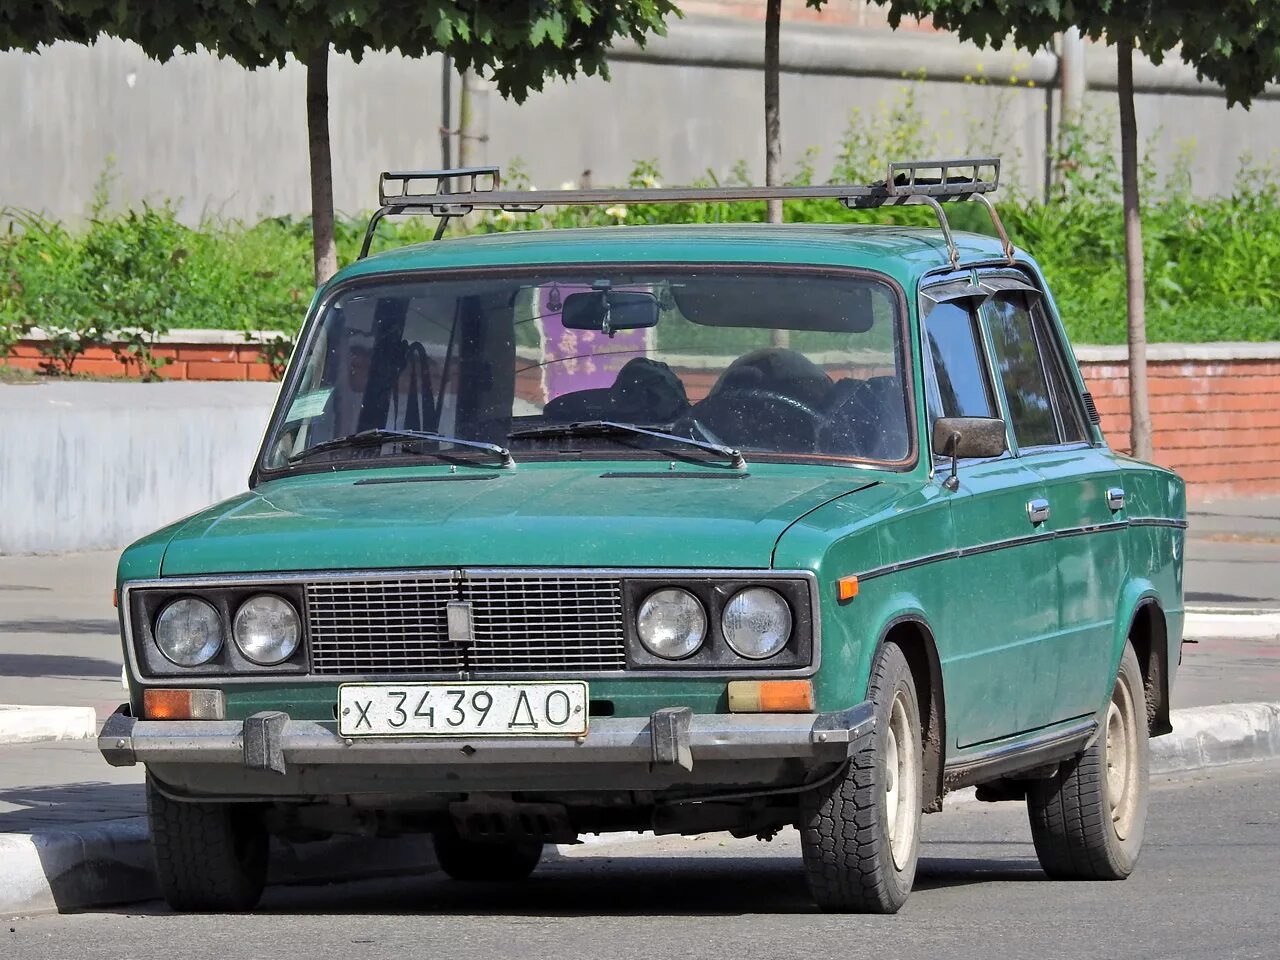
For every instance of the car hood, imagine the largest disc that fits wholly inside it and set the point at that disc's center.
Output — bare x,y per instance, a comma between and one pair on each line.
584,514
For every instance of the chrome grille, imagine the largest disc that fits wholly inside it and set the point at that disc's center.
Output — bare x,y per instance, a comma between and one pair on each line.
520,623
391,625
537,622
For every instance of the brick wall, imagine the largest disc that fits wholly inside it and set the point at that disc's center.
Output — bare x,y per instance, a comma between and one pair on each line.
192,355
1215,407
1215,412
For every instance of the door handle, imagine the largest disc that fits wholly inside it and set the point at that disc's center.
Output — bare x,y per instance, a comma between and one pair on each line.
1115,499
1038,510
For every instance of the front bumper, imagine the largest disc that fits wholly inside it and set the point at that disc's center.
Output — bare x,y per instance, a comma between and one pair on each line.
270,754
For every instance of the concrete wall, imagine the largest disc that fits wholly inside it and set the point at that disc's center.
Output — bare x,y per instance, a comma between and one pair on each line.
228,141
91,465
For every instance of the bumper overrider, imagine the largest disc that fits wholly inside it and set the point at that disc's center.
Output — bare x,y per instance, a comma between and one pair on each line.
271,753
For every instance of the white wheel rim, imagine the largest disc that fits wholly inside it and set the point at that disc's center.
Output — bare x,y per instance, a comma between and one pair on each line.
1121,751
902,784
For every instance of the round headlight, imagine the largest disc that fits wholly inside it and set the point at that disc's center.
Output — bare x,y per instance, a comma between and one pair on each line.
757,623
671,623
266,629
189,631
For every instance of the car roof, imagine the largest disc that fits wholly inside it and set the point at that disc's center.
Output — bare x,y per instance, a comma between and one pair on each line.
904,253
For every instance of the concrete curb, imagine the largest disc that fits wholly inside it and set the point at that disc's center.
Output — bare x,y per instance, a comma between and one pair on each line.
106,864
1211,623
1218,735
110,863
24,724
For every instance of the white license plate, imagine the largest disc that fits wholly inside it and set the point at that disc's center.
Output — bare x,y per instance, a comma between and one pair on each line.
550,709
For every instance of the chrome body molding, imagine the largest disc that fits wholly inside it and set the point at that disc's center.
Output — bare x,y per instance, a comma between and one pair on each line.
1008,759
1011,542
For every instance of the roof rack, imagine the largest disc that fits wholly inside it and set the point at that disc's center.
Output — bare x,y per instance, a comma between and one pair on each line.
929,182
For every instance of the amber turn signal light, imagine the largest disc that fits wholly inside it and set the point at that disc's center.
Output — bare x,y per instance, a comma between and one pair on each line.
770,696
168,704
847,588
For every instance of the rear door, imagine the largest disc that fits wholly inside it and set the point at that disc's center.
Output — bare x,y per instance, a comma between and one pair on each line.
1001,591
1081,485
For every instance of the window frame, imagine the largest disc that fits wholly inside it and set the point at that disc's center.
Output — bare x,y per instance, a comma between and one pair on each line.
312,327
1048,342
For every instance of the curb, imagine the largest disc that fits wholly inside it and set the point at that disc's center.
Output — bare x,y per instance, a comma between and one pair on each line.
1213,623
110,863
1216,736
106,864
27,724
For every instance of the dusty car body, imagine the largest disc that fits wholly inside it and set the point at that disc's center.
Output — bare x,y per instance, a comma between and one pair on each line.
728,527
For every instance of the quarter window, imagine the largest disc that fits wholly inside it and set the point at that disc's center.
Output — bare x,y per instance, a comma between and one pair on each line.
958,386
1022,371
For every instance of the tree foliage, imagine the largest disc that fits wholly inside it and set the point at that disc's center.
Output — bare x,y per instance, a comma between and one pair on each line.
518,43
1235,43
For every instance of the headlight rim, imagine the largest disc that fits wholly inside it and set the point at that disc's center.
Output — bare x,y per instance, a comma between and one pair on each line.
218,647
704,634
791,622
297,629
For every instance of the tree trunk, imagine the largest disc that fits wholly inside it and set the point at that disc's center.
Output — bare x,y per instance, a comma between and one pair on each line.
773,127
772,118
466,121
1139,401
324,249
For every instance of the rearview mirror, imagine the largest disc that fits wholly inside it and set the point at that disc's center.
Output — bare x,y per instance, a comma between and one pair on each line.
610,310
965,437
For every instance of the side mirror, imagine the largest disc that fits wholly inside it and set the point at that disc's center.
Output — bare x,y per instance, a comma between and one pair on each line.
610,310
977,437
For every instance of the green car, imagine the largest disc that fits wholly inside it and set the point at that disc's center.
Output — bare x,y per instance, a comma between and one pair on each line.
673,529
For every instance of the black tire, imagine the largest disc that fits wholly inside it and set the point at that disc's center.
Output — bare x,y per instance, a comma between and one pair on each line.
860,833
474,862
210,857
1088,821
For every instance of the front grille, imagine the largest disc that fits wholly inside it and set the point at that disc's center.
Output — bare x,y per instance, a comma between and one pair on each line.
520,623
545,623
392,625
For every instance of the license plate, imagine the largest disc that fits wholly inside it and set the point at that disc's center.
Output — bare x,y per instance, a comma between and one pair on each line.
549,709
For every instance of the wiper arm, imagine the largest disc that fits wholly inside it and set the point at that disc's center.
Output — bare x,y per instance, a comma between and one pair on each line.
377,437
605,427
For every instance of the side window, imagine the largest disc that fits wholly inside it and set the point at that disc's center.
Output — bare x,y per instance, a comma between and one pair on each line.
1022,371
956,371
1065,398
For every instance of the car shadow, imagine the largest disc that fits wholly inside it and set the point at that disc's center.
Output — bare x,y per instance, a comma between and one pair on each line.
39,808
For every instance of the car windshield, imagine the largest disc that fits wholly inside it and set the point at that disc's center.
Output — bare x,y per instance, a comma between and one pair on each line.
772,362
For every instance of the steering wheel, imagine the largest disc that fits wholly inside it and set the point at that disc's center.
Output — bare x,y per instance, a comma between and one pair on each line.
756,417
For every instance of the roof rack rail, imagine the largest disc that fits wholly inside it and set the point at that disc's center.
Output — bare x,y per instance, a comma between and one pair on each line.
929,182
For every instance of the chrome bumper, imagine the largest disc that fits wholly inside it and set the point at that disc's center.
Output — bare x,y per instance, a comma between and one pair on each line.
672,737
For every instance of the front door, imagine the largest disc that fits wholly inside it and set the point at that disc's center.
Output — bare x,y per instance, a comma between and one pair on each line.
1001,597
1083,489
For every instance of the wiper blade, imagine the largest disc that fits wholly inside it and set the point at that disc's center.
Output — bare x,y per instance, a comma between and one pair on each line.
586,428
377,437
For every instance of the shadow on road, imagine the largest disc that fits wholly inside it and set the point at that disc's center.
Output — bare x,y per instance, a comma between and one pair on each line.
39,808
55,665
110,627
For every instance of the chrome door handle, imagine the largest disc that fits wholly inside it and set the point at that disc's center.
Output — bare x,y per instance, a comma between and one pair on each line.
1115,499
1038,510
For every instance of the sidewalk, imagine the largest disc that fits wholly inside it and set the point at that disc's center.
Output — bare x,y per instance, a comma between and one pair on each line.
1233,554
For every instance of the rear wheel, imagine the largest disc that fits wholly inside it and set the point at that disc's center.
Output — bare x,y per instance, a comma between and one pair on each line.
471,861
1088,821
210,857
860,833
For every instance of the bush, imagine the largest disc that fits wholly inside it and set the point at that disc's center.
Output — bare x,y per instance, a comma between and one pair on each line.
134,275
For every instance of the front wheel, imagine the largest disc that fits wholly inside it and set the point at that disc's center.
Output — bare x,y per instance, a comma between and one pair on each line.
1088,821
860,833
210,857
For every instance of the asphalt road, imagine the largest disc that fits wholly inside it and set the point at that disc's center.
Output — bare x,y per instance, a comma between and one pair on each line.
1205,888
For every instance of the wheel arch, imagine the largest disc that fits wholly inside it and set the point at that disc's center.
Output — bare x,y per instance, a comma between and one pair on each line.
911,633
1148,633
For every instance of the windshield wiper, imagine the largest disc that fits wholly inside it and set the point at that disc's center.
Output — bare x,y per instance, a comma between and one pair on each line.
600,428
377,437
